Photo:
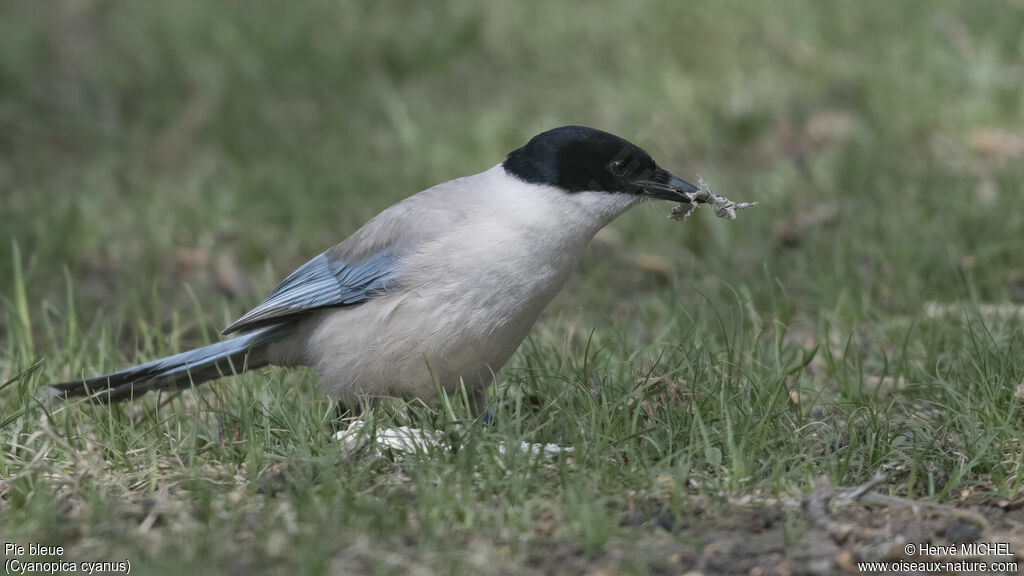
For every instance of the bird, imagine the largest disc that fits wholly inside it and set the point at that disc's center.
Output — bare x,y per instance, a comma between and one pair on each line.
435,292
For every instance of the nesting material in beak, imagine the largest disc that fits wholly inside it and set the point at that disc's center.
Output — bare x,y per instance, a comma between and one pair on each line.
724,208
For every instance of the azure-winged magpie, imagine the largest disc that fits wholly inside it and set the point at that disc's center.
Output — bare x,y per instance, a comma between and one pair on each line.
440,288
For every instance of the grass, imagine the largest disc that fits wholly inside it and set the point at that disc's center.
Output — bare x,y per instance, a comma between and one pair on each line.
161,167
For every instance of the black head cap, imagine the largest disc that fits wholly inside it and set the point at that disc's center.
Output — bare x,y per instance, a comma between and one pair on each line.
577,158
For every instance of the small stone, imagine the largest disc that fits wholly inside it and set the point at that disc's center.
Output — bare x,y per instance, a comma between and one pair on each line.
844,560
961,531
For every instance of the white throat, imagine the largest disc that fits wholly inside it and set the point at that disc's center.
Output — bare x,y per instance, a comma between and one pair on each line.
585,212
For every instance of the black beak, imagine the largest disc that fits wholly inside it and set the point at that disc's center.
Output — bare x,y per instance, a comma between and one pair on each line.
665,185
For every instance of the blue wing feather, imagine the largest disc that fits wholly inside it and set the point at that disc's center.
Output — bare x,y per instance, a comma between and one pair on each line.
323,282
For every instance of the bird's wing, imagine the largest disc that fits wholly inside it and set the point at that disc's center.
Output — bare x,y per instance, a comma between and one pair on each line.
366,264
323,282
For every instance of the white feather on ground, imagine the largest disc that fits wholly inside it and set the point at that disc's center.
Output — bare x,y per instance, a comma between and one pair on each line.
404,439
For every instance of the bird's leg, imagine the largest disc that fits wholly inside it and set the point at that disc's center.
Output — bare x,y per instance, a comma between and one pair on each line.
345,411
478,404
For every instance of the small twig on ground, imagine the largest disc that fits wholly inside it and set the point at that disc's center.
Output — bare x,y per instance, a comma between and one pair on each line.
884,500
855,494
864,494
816,505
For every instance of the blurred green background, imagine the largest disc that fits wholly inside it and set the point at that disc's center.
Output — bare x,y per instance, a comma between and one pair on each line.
164,164
148,145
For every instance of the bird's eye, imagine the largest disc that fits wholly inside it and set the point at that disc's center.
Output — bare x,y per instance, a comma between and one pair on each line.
618,167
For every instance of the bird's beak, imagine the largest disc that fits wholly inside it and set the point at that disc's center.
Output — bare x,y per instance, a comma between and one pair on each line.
667,186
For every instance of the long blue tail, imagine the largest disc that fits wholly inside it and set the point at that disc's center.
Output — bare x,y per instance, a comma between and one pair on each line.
194,367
